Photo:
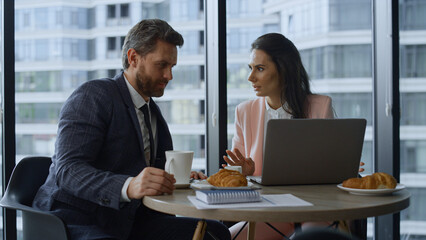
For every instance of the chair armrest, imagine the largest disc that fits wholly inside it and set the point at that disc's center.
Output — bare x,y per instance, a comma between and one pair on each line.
7,203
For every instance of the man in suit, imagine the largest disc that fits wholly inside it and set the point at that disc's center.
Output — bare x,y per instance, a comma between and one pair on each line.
110,151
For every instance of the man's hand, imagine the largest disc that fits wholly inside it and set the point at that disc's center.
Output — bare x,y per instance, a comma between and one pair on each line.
198,175
237,159
150,182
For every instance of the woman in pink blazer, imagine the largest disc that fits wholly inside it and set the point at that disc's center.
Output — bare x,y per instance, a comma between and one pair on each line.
282,85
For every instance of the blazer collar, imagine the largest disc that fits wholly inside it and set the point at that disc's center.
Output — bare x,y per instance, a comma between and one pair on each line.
124,91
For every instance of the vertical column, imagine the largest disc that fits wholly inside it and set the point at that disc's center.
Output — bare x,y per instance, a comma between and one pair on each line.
215,70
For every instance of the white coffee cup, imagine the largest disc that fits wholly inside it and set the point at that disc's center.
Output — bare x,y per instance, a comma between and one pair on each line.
179,164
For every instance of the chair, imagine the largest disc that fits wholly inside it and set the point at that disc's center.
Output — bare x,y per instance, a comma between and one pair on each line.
27,177
323,234
358,228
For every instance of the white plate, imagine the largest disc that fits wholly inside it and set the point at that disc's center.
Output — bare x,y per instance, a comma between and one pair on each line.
203,184
358,191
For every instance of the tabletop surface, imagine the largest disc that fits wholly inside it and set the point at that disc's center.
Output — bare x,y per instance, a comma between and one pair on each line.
329,203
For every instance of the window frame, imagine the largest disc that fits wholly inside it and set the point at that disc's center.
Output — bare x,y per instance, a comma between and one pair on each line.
8,110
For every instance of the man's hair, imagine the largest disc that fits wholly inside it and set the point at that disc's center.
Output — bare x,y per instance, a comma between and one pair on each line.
144,35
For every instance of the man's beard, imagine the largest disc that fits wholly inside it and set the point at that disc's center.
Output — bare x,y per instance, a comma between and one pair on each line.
146,85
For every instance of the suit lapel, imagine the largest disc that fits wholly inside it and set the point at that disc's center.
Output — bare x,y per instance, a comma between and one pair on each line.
124,91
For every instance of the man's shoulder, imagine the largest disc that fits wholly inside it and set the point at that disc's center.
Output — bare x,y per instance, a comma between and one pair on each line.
99,83
103,90
98,88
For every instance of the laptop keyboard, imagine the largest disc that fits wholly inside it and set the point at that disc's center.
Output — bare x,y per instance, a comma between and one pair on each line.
255,179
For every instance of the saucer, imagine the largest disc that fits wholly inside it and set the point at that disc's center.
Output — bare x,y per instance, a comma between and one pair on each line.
181,185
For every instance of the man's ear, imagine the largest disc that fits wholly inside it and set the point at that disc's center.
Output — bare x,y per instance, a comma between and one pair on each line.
132,57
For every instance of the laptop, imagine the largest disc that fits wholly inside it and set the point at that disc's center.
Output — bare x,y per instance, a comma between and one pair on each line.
311,151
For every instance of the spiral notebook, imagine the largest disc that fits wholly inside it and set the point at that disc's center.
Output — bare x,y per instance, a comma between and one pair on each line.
228,196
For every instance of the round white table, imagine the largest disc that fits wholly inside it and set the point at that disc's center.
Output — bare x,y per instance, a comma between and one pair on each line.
329,203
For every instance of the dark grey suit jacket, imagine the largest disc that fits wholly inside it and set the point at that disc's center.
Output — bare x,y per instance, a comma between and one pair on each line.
99,145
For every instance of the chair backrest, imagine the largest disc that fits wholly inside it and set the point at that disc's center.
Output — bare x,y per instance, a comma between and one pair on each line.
322,234
27,177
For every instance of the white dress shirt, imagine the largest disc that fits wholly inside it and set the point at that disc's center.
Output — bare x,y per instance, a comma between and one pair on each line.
271,113
138,102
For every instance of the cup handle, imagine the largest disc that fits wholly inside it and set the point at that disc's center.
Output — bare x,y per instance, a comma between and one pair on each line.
167,168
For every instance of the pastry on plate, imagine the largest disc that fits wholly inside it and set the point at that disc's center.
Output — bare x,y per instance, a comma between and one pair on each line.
227,178
377,180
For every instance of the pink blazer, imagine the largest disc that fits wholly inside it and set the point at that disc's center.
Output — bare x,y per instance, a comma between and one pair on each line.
249,125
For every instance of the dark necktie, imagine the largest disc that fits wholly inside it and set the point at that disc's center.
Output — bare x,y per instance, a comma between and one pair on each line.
146,117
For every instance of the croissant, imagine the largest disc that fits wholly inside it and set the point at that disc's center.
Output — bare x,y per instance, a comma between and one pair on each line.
227,178
377,180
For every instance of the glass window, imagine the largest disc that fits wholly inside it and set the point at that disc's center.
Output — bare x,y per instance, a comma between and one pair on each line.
338,62
111,43
342,71
41,18
124,10
414,111
413,58
61,58
350,15
413,114
185,10
111,11
412,15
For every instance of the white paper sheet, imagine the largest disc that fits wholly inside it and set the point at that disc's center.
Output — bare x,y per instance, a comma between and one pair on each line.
268,200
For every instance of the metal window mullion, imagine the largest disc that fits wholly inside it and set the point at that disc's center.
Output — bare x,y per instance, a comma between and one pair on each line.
215,70
8,109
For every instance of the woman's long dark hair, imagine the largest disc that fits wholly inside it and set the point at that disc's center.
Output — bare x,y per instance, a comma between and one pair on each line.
294,78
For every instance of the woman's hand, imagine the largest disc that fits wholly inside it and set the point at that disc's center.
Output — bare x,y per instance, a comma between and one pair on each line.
360,168
237,159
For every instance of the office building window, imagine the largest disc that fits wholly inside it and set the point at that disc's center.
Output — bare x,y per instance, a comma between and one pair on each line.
350,15
111,43
414,111
338,61
124,10
111,11
353,105
414,155
412,15
413,61
37,112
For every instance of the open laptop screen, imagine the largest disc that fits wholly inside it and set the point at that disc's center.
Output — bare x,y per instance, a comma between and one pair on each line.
312,151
